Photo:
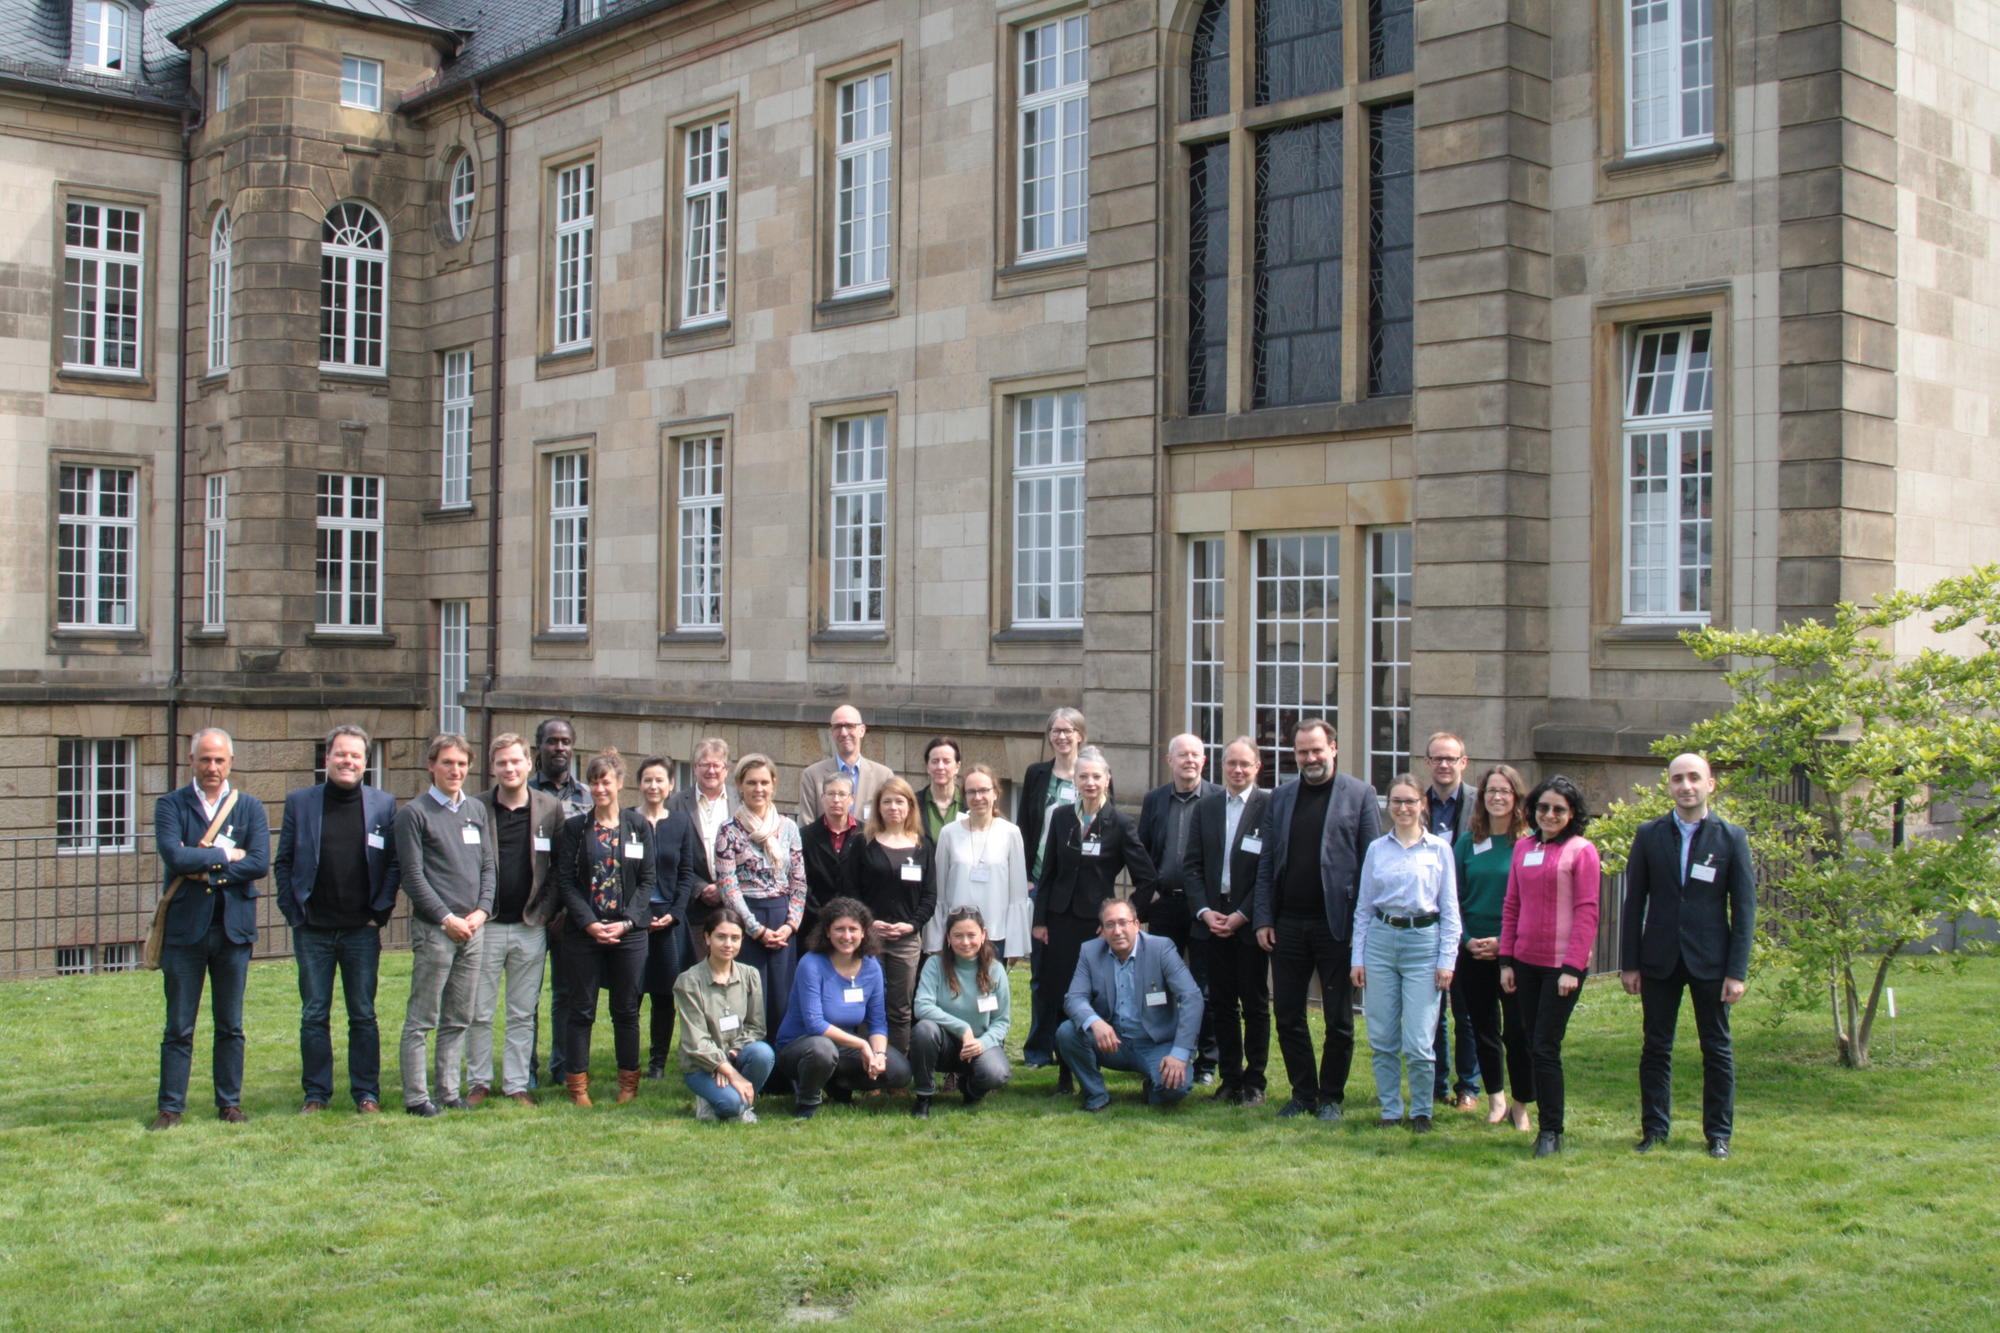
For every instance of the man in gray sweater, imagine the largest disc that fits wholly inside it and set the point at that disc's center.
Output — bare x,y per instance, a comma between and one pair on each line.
445,846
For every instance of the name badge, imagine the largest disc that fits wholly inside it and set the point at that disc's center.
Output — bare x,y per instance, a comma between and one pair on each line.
1706,874
854,995
981,874
633,851
1533,858
375,842
912,872
1425,860
1156,998
862,814
1483,846
1093,848
1253,844
729,1023
988,1003
539,843
224,842
469,834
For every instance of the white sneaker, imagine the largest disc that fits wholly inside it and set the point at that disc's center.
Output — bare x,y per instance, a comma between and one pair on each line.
748,1117
702,1110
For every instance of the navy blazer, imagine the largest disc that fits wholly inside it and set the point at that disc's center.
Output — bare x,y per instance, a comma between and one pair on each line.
1668,919
683,802
178,824
1205,853
1353,820
295,869
1093,992
1154,821
676,856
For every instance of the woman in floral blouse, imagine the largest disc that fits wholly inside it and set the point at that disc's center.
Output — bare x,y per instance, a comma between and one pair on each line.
604,871
760,868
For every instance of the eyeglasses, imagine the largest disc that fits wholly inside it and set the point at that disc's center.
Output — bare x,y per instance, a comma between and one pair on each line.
1444,758
847,726
1547,809
1404,801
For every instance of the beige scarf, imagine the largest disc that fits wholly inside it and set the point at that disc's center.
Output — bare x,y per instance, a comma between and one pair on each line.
768,834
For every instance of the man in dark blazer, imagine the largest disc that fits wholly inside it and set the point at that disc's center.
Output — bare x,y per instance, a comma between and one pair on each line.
705,801
1448,807
525,824
211,922
1222,856
1132,1004
1690,909
1166,820
1307,881
336,874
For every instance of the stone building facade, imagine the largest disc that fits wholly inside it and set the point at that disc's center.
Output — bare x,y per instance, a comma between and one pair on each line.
689,368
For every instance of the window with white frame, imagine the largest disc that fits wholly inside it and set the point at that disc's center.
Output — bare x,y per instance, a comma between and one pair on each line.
97,530
119,957
1054,113
361,83
1294,642
1048,509
347,568
104,36
698,562
353,289
95,781
1206,586
858,523
454,663
862,145
575,255
589,11
1670,74
73,960
705,225
1390,578
455,464
103,253
461,193
214,552
220,238
1669,454
221,85
569,541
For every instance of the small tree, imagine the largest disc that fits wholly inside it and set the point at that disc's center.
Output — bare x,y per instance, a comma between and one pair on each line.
1850,766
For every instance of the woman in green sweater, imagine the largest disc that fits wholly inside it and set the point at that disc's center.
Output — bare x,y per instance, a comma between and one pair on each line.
962,1013
1484,855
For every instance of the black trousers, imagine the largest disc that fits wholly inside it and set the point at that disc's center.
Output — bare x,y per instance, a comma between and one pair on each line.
1067,936
1306,945
1169,918
1660,1001
665,961
1239,1000
593,967
1454,1031
1496,1027
1545,1012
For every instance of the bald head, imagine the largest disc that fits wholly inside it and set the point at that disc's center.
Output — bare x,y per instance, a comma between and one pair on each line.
1691,784
1186,757
848,729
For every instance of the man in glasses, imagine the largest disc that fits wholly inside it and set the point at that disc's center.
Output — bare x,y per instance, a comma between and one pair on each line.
1448,806
867,776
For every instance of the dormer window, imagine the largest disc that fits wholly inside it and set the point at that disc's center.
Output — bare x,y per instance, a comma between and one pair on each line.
361,83
104,27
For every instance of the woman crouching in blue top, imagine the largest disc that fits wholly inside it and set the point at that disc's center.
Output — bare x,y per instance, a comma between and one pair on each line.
835,1037
963,1013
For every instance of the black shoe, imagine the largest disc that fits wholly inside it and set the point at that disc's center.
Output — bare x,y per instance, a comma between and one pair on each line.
840,1096
1420,1124
920,1109
1386,1123
424,1109
1065,1086
969,1097
1253,1097
1296,1106
1719,1149
455,1104
1649,1141
805,1110
1228,1092
656,1067
1330,1112
1548,1143
1099,1104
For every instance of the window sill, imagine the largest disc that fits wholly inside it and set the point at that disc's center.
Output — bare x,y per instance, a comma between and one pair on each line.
206,637
572,645
1280,423
837,311
1644,646
1040,634
694,645
369,638
1665,157
697,337
572,361
1026,277
1669,169
851,645
691,636
353,376
1036,646
111,642
448,513
104,383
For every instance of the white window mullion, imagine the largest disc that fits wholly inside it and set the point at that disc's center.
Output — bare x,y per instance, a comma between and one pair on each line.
1295,642
1054,129
705,225
569,541
576,256
455,467
94,795
96,545
1391,576
1048,509
1205,615
220,263
102,293
347,571
1667,543
454,663
215,553
1670,73
858,529
700,505
862,170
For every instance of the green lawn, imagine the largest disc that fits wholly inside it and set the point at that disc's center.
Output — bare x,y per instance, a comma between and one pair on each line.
1854,1201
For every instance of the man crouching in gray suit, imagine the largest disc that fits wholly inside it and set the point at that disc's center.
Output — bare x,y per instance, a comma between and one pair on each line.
1132,1005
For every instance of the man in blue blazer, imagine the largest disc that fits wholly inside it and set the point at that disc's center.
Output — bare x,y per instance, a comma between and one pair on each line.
211,922
1132,1005
336,874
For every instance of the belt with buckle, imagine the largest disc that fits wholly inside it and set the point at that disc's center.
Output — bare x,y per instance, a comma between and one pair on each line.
1407,922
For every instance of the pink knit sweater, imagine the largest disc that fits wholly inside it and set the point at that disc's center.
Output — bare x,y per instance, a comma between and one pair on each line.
1549,918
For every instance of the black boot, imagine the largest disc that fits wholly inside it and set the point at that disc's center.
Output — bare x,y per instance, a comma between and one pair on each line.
921,1107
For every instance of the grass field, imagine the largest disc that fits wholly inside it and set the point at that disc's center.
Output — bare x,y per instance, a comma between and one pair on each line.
1854,1201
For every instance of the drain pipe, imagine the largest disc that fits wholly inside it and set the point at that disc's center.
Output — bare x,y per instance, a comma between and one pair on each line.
192,119
499,358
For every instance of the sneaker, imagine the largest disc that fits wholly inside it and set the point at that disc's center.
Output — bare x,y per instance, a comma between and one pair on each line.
746,1117
702,1109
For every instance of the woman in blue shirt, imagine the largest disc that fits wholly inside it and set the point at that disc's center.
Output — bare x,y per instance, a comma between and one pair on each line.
835,1036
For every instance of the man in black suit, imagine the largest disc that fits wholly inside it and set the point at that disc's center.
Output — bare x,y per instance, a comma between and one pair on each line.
1448,806
1690,908
1221,865
1317,830
1166,818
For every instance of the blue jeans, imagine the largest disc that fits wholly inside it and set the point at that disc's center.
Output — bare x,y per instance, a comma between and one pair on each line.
1143,1058
1400,1003
754,1062
357,952
183,967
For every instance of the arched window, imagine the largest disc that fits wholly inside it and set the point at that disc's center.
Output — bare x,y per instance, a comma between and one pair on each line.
462,193
104,28
353,289
219,269
1208,67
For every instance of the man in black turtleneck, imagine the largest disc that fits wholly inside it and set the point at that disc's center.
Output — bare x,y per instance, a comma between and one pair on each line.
337,875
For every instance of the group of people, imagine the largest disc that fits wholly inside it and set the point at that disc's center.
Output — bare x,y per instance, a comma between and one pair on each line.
864,946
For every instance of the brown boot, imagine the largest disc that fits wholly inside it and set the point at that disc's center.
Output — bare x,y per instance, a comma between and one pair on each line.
579,1088
628,1085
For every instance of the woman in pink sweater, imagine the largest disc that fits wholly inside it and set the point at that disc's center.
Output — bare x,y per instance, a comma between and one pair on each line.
1548,924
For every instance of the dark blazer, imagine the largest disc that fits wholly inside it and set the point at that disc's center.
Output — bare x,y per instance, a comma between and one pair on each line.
676,853
1463,823
827,872
1093,991
1154,821
1353,820
1034,794
1667,919
177,828
295,869
635,873
545,820
1073,884
682,803
1204,855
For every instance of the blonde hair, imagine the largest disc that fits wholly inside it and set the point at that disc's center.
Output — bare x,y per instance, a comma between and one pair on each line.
913,822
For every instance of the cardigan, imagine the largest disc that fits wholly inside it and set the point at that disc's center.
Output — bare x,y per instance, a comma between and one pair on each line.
1550,916
1483,867
635,872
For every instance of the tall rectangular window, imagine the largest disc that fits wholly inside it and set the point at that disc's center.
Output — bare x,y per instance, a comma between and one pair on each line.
705,225
1670,75
1295,642
1048,509
214,552
97,561
1669,451
1295,333
454,663
221,85
1205,614
1392,37
347,567
1208,277
221,248
361,83
1392,218
576,255
1055,136
1390,577
861,155
103,248
94,795
569,541
455,466
104,36
858,524
698,504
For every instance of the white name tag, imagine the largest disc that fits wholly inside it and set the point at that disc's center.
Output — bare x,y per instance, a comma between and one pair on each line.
729,1023
1425,860
1706,874
1156,998
375,841
1483,846
862,814
912,872
981,874
1093,848
468,834
225,843
538,843
854,995
1533,858
633,851
988,1003
1254,845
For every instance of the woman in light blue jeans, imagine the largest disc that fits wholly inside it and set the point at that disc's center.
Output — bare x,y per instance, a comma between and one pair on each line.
1406,931
724,1057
